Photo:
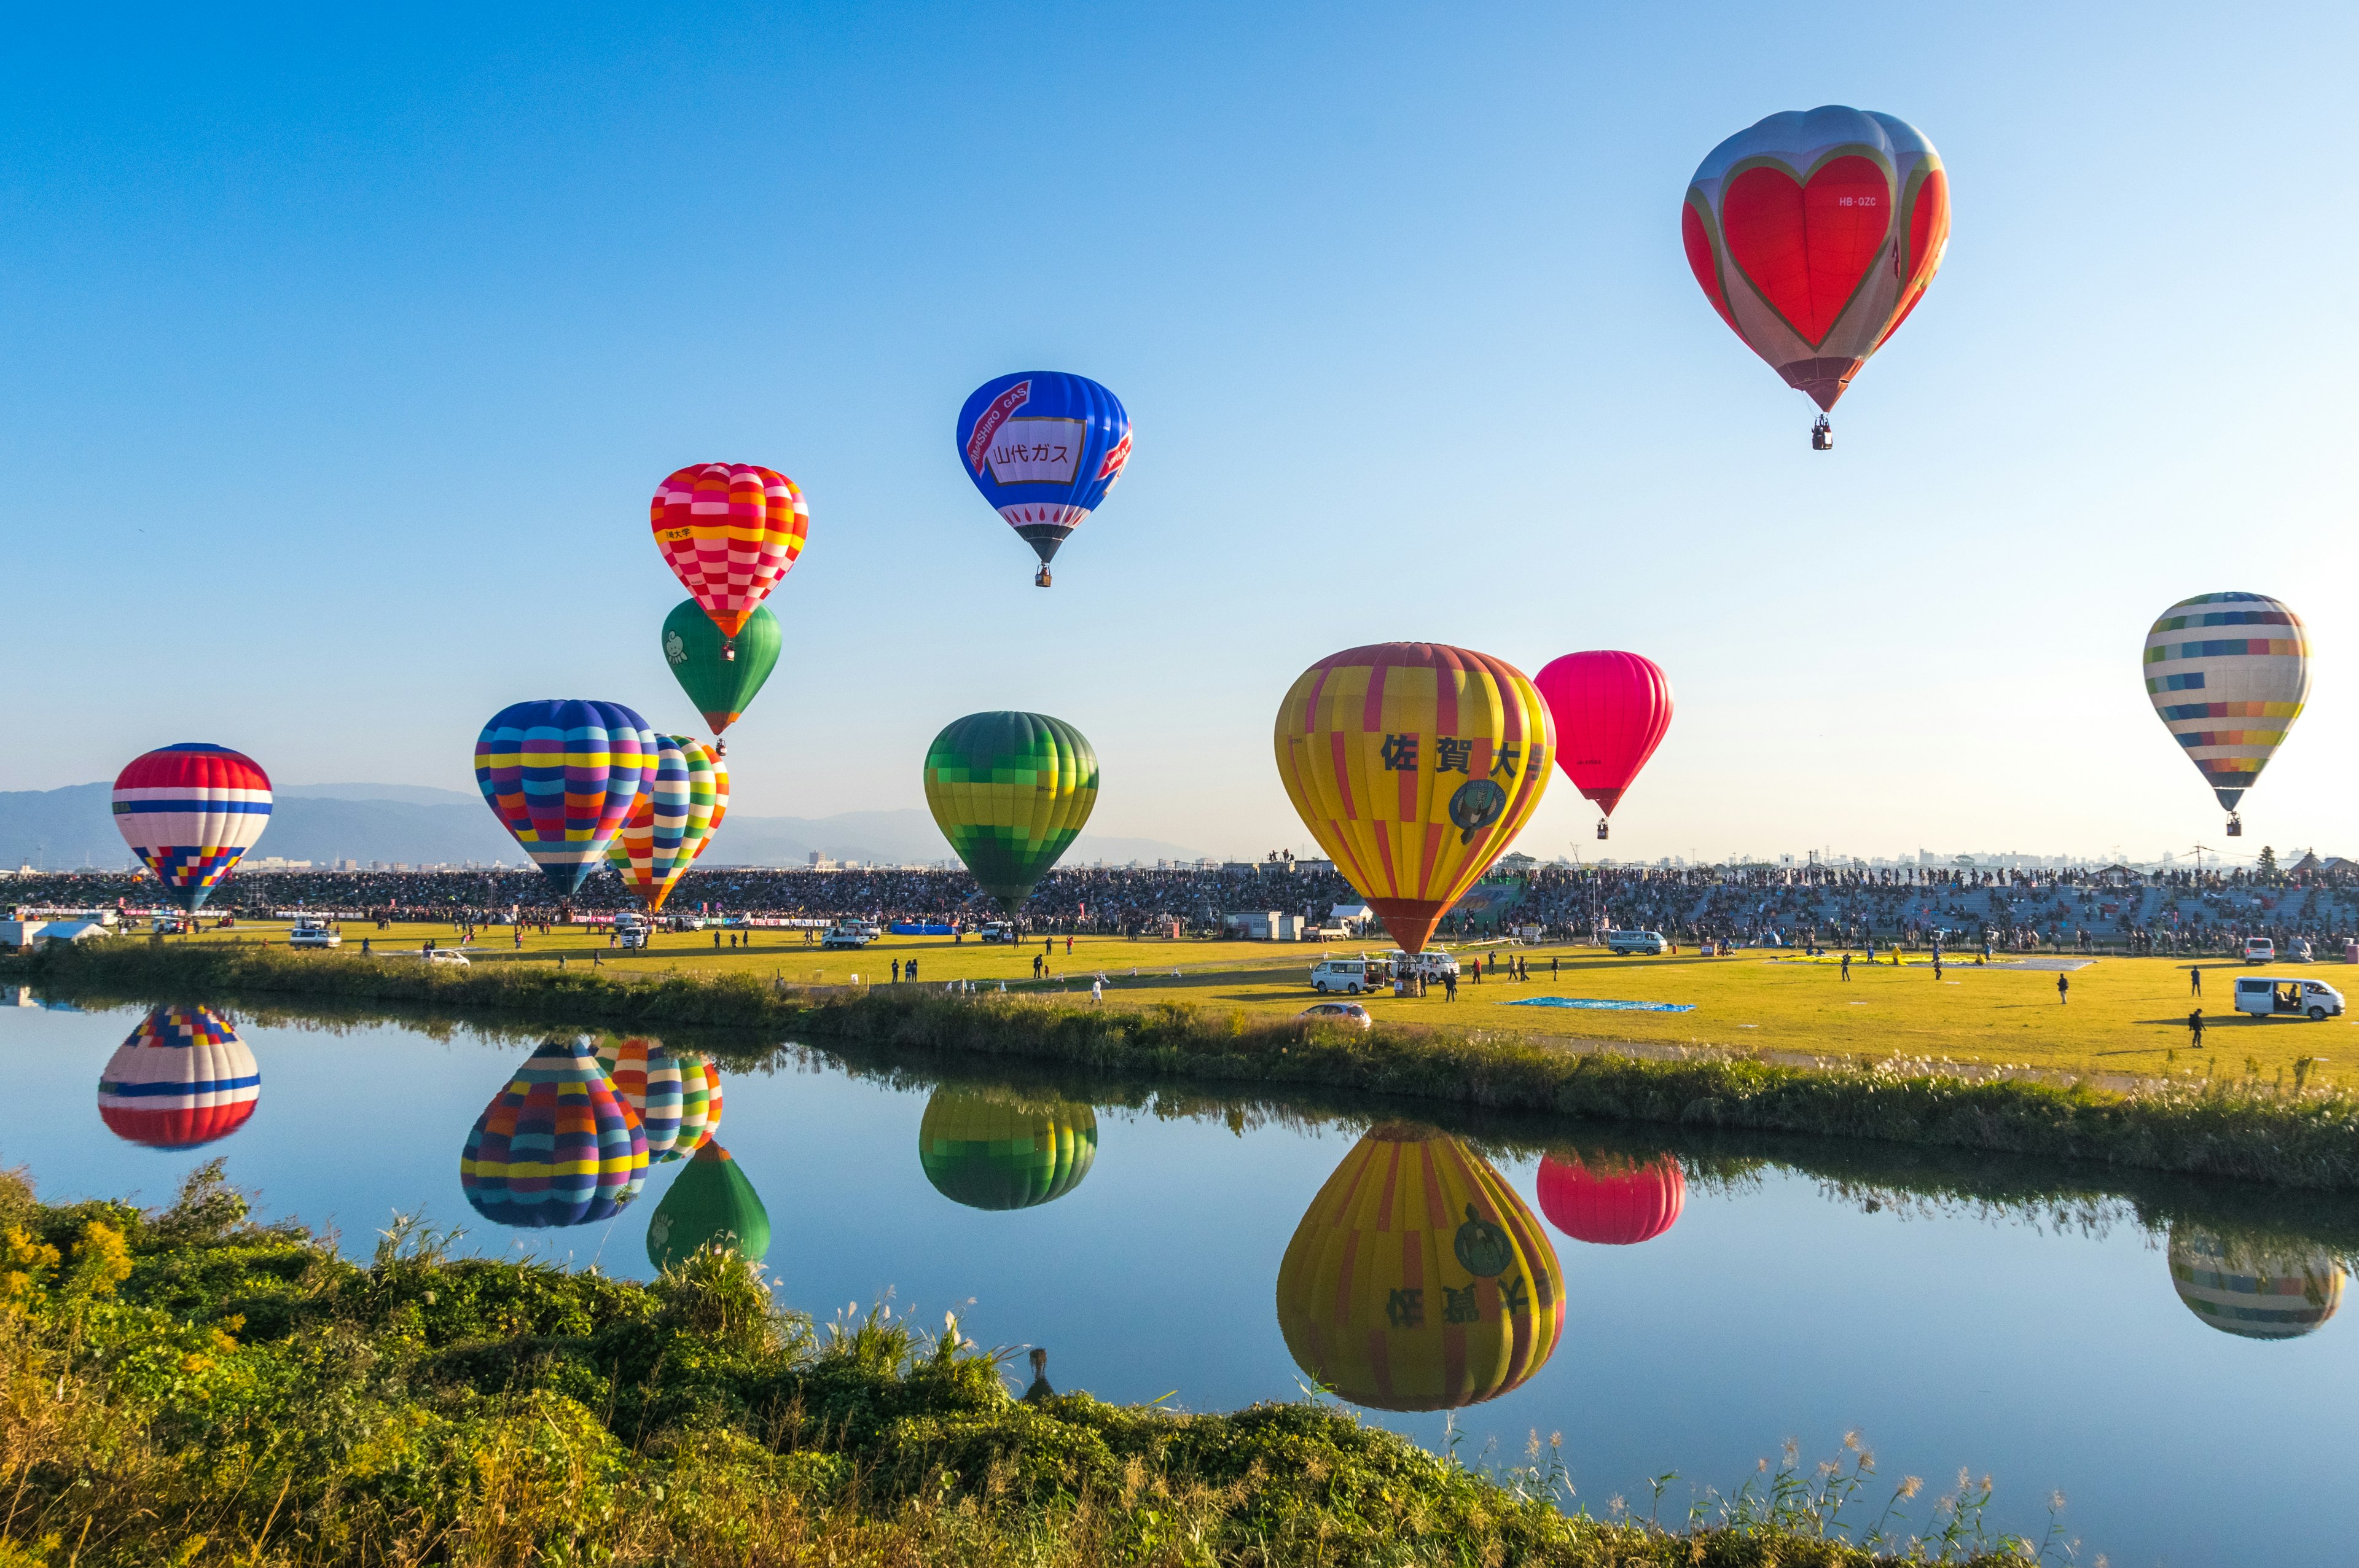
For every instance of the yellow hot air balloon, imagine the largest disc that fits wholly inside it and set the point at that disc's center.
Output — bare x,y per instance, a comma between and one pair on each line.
996,1151
1419,1280
1413,764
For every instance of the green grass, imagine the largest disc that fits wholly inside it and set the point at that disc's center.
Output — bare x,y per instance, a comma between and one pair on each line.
183,1387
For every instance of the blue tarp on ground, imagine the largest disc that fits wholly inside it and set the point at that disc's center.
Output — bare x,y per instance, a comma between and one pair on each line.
1602,1005
905,928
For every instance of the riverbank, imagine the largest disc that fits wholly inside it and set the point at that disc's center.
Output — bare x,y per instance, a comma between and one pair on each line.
2243,1128
189,1388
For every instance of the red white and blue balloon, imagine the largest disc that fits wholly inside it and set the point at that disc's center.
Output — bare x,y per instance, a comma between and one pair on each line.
190,811
182,1078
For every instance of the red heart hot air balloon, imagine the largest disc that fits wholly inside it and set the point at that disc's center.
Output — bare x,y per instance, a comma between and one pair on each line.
1611,710
729,532
1814,235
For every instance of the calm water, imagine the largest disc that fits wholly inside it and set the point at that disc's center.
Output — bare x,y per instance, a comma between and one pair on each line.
2009,1318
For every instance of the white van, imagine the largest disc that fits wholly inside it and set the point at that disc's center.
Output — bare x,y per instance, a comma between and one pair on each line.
847,934
2266,996
311,932
2259,950
998,931
1624,943
1350,976
1433,963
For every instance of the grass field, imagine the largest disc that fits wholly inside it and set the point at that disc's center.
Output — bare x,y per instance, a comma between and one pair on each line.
2123,1016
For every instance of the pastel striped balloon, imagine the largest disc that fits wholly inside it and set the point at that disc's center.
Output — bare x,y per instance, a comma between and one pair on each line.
2228,674
558,1146
182,1078
647,1076
729,532
563,776
674,821
2265,1291
699,1108
190,811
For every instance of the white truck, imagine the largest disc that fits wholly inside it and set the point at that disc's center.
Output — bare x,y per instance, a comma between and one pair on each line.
997,931
847,934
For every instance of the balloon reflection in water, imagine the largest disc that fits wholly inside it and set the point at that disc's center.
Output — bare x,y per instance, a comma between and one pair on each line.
558,1146
1419,1280
1610,1200
181,1079
648,1077
995,1153
2256,1290
710,1203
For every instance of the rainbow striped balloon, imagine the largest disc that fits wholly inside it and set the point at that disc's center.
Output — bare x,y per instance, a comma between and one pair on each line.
563,776
647,1076
558,1146
190,811
183,1078
700,1107
2228,674
674,821
2265,1291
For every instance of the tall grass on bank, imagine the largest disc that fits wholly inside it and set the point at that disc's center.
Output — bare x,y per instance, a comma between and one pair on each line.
183,1387
2247,1131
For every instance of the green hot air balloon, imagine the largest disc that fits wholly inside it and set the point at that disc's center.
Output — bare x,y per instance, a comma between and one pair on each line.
711,1203
722,689
991,1152
1010,791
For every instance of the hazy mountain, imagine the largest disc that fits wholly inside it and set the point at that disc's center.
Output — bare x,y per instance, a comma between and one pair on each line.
411,794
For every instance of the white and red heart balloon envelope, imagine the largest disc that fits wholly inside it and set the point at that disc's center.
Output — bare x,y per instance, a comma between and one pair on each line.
1814,235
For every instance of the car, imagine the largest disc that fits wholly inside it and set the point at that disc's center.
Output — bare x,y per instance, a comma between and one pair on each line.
1347,1013
446,955
2259,950
309,933
2266,995
997,931
1624,943
630,935
1350,976
846,934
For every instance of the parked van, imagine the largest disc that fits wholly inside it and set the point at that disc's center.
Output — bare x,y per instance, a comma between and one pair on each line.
2273,996
1624,943
846,934
311,932
2259,950
1431,964
998,931
1350,976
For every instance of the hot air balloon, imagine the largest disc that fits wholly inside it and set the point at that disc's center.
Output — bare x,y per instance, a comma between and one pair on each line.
729,532
2254,1291
673,820
722,687
710,1204
1814,235
997,1152
563,776
558,1146
1011,792
181,1079
2228,674
1611,1200
1419,1280
700,1107
190,811
1044,448
1413,764
649,1079
1611,710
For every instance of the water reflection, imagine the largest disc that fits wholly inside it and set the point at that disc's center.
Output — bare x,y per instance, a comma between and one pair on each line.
710,1203
1419,1280
558,1146
1610,1199
2256,1290
182,1078
1002,1151
675,1095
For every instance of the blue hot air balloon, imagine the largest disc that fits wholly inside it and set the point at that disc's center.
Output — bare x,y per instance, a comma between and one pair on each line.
562,775
1044,448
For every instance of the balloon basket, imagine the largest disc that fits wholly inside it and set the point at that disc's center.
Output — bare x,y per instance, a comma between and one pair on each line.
1822,435
1601,827
1040,578
2235,826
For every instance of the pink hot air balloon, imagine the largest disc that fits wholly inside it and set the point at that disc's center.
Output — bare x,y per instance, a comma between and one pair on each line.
1611,710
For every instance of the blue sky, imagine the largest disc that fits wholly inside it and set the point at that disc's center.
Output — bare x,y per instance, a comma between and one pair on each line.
346,351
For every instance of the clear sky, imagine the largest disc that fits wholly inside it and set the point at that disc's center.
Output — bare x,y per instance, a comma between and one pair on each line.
343,355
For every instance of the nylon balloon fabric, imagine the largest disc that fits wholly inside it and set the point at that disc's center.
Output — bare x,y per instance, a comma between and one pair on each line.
563,776
556,1147
729,532
673,820
1011,792
649,1080
710,1203
183,1078
1611,710
2228,674
722,689
993,1153
190,811
1418,1280
1814,234
1609,1201
2255,1290
1414,765
1044,448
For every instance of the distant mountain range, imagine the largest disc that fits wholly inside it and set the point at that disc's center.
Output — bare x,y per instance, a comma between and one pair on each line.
62,829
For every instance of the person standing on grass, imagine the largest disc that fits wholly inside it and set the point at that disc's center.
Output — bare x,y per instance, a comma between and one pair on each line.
1448,986
2195,980
1553,963
2195,1028
897,971
1846,967
2063,990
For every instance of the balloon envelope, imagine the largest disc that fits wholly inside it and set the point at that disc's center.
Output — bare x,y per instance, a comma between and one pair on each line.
190,811
673,820
558,1146
729,532
1011,792
563,776
649,1080
710,1204
1610,712
700,1107
1419,1280
1043,447
722,689
1609,1201
1413,764
1814,235
2254,1291
2228,674
182,1078
994,1153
